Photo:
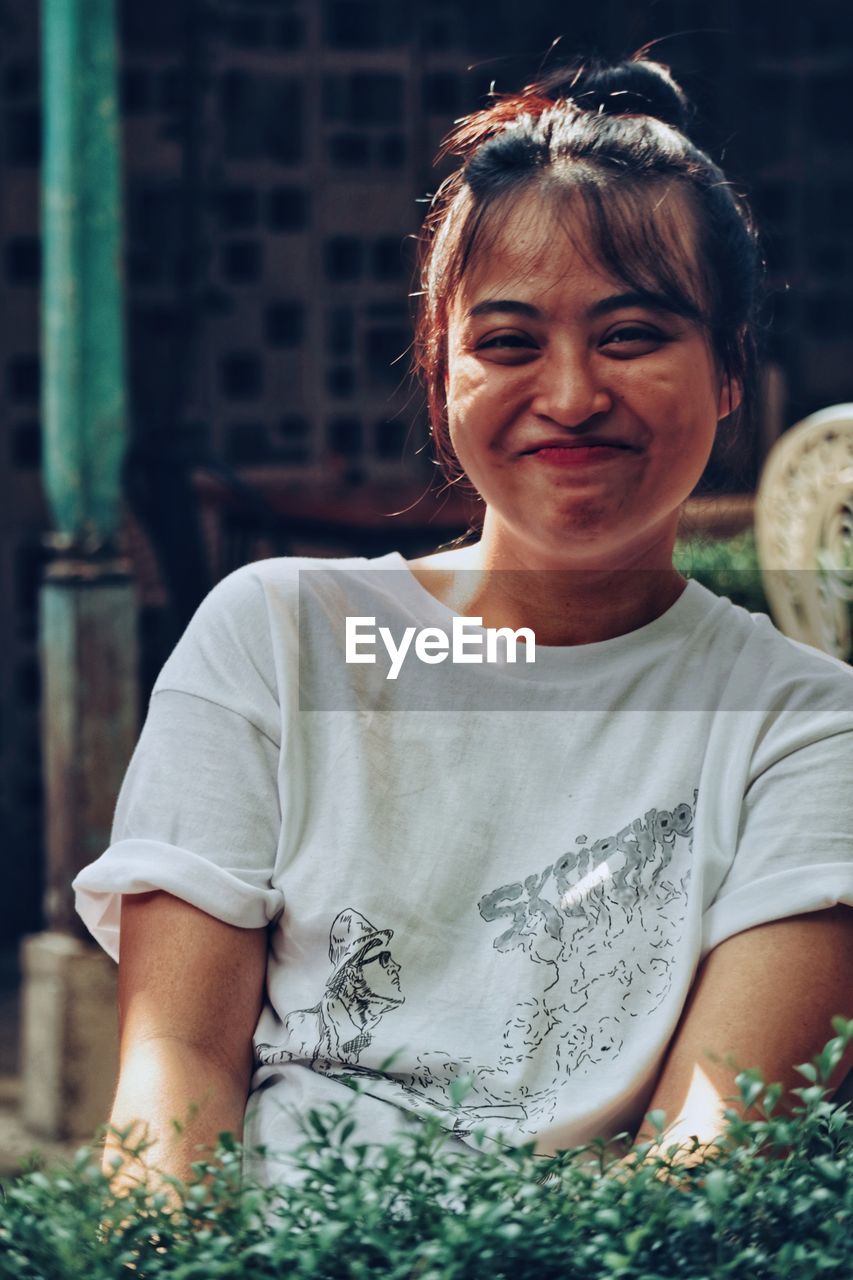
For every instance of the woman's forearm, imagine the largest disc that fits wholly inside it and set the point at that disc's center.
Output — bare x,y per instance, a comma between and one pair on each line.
164,1080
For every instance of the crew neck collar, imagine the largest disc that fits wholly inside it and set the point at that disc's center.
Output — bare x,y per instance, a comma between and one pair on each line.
674,624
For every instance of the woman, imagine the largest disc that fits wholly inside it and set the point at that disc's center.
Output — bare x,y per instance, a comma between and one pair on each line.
563,878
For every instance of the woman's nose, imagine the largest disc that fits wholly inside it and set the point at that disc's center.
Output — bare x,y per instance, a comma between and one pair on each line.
569,387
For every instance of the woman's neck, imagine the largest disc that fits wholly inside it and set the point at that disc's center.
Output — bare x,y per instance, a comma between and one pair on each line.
562,606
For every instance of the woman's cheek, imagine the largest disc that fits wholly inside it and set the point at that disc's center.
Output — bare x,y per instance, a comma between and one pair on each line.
466,377
467,395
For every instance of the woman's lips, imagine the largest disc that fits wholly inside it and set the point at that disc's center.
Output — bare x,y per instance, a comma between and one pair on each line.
580,455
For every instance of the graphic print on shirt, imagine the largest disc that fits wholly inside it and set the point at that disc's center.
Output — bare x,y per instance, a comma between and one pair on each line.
603,921
363,986
599,927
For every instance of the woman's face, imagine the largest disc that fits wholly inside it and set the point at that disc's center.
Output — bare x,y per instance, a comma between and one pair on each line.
583,417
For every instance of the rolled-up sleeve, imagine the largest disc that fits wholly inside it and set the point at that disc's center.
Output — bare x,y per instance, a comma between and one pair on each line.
199,813
795,846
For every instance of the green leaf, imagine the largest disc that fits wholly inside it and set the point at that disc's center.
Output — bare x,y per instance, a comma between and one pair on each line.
843,1027
459,1090
771,1097
635,1238
840,1119
833,1171
830,1057
809,1070
656,1120
716,1186
750,1086
318,1123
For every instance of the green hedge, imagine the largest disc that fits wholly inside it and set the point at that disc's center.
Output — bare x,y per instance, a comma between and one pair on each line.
728,566
775,1199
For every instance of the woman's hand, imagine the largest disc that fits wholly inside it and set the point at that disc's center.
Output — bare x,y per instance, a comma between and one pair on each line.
764,998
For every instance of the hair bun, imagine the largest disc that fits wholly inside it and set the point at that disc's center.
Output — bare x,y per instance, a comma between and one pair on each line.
637,86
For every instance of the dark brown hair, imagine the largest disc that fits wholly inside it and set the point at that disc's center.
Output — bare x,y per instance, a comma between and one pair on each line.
611,135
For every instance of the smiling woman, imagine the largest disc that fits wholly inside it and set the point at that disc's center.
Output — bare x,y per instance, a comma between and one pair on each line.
587,319
547,888
593,408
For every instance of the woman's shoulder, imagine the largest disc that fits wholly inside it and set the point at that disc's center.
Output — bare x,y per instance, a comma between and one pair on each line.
784,672
278,578
248,618
275,571
783,649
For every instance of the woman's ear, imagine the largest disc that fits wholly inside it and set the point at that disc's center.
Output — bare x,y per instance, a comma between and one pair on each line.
731,395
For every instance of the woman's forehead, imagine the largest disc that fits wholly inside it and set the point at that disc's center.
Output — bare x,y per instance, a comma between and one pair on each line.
531,257
539,244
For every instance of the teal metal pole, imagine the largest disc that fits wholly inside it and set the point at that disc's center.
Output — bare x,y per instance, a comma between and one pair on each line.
87,609
87,622
82,334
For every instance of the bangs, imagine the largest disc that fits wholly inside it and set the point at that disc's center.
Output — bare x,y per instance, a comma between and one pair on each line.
643,235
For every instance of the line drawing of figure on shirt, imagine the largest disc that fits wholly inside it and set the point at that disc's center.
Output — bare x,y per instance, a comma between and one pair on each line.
364,985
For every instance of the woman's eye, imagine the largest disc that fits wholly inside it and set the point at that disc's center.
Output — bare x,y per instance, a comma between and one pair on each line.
506,341
633,333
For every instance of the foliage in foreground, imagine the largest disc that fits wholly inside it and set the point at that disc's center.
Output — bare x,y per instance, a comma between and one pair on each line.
774,1200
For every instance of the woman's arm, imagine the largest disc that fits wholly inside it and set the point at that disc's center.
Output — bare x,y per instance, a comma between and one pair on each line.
190,992
764,998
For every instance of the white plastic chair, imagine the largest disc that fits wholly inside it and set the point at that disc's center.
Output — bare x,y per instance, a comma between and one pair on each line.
804,530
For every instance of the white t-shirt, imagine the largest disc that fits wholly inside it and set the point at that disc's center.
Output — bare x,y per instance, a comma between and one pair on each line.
502,872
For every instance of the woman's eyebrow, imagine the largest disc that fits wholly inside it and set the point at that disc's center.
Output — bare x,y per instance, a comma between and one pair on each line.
636,298
506,305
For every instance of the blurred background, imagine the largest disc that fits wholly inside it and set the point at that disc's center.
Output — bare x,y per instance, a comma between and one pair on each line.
275,157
